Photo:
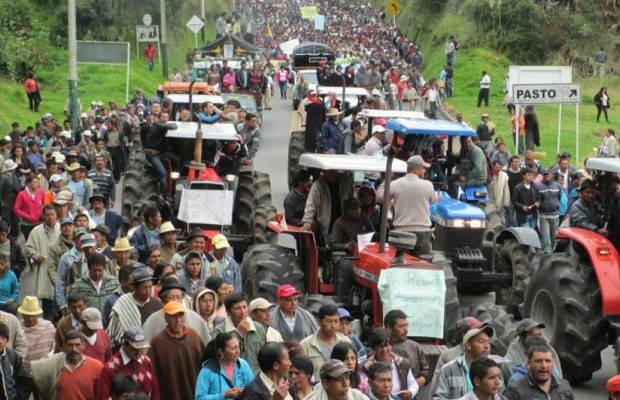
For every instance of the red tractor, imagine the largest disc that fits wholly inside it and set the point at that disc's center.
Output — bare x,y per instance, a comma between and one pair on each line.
575,291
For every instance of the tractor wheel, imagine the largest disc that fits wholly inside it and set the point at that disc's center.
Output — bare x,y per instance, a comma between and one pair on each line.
262,183
502,322
564,295
521,261
296,147
243,215
265,267
262,215
451,302
313,303
493,220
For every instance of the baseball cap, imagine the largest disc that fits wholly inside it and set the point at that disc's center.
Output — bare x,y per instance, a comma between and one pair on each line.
613,384
344,314
134,336
416,161
378,128
333,369
66,220
259,303
219,241
173,308
287,291
141,275
56,178
88,240
468,323
92,318
476,331
527,325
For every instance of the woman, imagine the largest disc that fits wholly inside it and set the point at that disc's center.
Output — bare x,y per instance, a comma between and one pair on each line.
609,149
223,290
380,344
346,352
24,166
205,303
214,75
349,76
224,374
281,79
228,81
301,372
28,205
603,103
532,131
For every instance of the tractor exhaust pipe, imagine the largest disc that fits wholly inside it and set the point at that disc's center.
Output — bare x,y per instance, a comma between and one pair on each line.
198,142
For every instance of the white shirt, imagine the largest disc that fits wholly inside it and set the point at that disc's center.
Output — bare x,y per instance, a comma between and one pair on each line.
485,82
91,339
270,385
412,385
431,95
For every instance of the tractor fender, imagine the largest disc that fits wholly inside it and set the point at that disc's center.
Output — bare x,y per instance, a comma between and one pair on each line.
604,259
524,236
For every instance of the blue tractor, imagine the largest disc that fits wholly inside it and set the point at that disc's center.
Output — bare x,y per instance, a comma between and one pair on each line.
485,255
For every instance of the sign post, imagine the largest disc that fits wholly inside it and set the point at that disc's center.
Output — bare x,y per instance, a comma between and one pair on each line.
195,24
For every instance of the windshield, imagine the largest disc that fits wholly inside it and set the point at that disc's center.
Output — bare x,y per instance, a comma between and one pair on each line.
247,102
310,78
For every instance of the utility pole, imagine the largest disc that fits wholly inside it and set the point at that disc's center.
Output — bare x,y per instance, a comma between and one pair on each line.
202,16
74,107
164,39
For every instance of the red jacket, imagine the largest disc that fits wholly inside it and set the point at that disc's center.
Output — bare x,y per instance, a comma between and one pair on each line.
149,53
29,208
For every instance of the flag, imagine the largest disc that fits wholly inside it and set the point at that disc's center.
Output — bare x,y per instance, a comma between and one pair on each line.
269,32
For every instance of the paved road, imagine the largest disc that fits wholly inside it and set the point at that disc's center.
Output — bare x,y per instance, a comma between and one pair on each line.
272,158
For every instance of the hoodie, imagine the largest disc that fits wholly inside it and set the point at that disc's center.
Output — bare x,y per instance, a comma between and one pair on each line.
213,319
189,285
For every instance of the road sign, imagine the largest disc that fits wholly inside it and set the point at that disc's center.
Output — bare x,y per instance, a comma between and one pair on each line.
393,7
195,24
147,19
546,94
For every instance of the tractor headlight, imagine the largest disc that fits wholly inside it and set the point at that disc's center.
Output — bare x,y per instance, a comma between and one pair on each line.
476,223
175,175
464,223
456,223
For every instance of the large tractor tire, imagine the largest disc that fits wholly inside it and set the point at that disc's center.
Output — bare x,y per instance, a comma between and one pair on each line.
313,303
451,302
139,186
296,147
521,261
243,214
493,220
265,267
502,322
262,183
262,233
564,295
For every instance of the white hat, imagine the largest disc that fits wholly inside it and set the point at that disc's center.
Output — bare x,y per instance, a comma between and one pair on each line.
10,165
56,178
47,115
8,138
87,132
404,78
378,129
376,92
259,303
66,134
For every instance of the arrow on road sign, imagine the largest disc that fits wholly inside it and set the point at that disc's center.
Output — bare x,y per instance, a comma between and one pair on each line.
552,93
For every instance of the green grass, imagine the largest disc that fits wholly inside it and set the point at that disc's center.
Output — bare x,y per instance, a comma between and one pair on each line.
96,82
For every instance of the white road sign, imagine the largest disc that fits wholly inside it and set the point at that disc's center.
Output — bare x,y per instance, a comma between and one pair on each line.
195,24
546,94
147,19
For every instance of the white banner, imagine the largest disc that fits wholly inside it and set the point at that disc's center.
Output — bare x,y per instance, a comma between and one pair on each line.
212,207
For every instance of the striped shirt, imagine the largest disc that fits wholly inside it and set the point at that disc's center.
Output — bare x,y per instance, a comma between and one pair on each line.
105,182
40,341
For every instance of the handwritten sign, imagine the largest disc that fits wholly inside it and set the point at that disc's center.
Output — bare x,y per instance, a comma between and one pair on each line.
308,12
213,207
420,293
319,22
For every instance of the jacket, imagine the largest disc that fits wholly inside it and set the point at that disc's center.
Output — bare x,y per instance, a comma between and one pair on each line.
113,221
312,350
253,340
9,287
251,139
330,137
138,240
587,215
502,190
549,195
294,205
521,197
528,389
9,188
256,390
477,173
17,259
212,380
319,203
45,374
320,394
27,208
39,242
88,192
13,375
403,370
93,297
55,253
516,355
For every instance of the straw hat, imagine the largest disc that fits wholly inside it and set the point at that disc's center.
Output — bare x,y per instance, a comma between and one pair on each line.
122,244
167,227
333,112
73,166
30,306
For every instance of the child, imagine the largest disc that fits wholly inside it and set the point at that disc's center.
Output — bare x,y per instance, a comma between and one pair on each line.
9,286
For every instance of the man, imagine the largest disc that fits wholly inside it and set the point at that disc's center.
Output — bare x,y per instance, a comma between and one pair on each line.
131,361
515,176
121,254
220,28
318,346
260,312
96,341
230,157
197,243
485,85
104,180
499,191
71,321
82,188
474,165
529,161
177,353
601,60
147,234
242,77
124,279
10,185
375,145
335,384
485,132
295,201
326,201
540,382
13,378
97,284
193,274
349,226
486,377
550,196
501,154
38,244
133,309
292,321
331,134
67,375
412,196
223,264
157,152
452,381
102,216
168,237
526,202
149,55
396,325
272,380
381,382
39,332
516,350
172,291
251,134
251,335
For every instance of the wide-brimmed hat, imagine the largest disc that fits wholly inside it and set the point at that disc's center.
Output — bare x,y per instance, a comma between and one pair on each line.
333,112
10,165
167,227
64,197
121,244
404,78
196,232
73,166
30,306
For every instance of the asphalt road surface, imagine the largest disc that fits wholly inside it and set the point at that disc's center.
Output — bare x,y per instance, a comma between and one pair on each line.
272,159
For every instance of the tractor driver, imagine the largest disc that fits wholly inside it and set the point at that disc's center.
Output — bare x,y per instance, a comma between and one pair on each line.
326,201
348,226
230,157
586,212
157,153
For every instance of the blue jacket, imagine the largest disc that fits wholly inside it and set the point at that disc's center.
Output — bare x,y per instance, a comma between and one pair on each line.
113,221
140,242
232,273
208,119
9,287
212,381
330,137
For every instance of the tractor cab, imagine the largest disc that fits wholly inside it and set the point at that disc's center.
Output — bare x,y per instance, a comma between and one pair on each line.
247,102
181,101
352,96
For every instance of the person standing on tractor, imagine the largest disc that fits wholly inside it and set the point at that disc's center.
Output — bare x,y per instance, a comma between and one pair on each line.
292,321
586,212
412,195
331,134
295,201
326,201
242,77
251,134
157,153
